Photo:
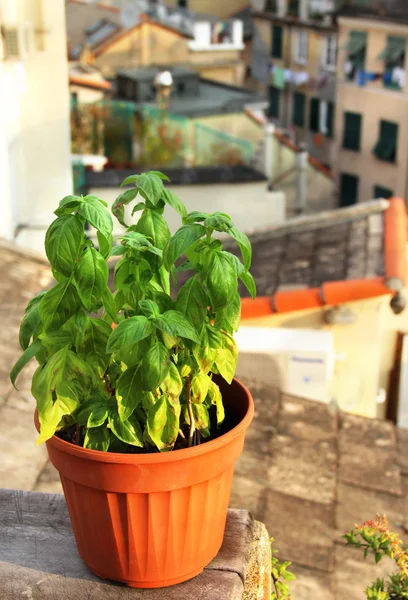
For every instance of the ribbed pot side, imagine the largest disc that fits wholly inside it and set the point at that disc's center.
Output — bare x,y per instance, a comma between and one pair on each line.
153,520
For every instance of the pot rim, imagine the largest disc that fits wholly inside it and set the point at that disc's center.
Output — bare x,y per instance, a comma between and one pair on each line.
157,457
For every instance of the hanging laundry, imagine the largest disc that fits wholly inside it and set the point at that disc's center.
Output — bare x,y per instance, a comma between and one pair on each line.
312,83
398,76
323,80
373,76
278,77
348,67
361,78
387,77
288,75
300,77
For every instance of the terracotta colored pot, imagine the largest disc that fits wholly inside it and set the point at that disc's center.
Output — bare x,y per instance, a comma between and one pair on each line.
153,520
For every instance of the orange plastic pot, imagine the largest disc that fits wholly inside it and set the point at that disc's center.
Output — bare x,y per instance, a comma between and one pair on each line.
153,520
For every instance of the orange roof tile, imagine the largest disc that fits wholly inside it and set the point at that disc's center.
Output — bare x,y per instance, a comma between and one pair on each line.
338,292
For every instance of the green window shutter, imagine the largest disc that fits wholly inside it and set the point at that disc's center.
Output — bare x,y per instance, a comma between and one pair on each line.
182,3
386,147
314,114
330,119
352,131
357,42
382,192
348,189
299,106
274,98
293,8
277,41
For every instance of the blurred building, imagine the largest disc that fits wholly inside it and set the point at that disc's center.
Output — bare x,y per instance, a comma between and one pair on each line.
294,50
372,103
143,34
35,169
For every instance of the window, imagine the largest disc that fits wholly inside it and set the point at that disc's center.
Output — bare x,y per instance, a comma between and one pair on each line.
11,42
386,147
299,106
182,3
321,118
181,87
382,192
314,115
293,8
331,109
352,131
274,99
394,62
330,52
348,189
302,40
277,41
356,48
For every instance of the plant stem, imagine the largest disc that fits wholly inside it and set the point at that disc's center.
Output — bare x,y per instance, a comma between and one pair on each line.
190,412
274,580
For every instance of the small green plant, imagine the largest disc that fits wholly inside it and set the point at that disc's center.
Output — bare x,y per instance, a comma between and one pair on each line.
146,385
376,539
280,576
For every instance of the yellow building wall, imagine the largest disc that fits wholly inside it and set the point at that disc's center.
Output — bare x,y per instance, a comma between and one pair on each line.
213,7
365,350
374,103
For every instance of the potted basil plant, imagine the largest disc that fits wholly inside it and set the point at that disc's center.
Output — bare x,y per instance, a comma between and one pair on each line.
135,394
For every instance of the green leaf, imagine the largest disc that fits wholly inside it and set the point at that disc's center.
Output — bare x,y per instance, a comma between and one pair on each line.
128,392
139,206
199,387
152,225
118,206
93,412
192,301
30,321
173,201
127,431
97,438
249,283
91,344
150,186
159,174
174,323
27,355
201,419
219,222
97,216
109,304
91,276
181,241
244,245
67,205
216,399
128,333
378,557
205,357
58,305
149,308
163,423
63,242
226,359
92,198
118,250
155,367
231,314
105,244
172,384
221,281
138,241
194,216
55,340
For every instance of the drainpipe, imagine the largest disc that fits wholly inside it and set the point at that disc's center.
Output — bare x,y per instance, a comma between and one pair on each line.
301,180
269,132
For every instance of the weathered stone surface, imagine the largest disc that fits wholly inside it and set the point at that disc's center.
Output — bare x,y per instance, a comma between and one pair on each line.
21,460
48,480
41,562
258,577
249,495
310,584
307,420
356,505
402,437
303,530
305,470
353,574
368,454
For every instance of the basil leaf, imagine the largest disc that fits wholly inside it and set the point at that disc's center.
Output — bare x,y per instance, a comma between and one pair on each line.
181,241
63,242
58,305
155,367
163,423
221,281
194,216
153,226
91,276
91,344
128,392
173,201
230,315
201,419
105,244
199,387
139,206
30,321
249,283
244,245
27,355
109,305
97,216
159,174
192,301
127,431
150,186
128,333
219,222
214,394
174,323
118,206
172,384
97,438
149,308
67,205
